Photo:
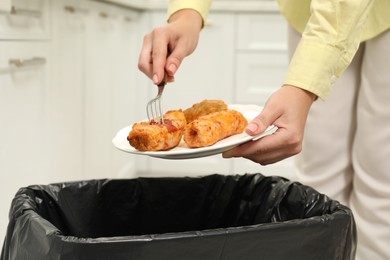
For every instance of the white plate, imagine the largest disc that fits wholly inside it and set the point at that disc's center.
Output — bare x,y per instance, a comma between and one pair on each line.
183,152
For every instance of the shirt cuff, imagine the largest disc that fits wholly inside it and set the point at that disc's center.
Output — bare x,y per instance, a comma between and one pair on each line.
315,67
201,6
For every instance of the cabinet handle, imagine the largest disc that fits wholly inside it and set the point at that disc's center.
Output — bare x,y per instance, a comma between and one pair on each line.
106,15
128,19
25,12
20,63
72,9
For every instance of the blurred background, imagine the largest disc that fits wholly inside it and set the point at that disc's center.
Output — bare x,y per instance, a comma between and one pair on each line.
69,81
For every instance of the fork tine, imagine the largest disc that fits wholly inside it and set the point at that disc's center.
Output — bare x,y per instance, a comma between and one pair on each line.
161,117
150,109
154,107
154,110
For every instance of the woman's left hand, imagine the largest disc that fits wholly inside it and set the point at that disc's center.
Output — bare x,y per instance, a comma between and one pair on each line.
287,109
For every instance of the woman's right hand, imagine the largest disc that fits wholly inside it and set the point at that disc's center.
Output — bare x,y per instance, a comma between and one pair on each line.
166,46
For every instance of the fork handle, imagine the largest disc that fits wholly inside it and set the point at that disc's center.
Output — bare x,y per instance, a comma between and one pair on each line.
164,80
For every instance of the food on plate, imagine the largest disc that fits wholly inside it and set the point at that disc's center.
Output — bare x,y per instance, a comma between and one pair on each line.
211,128
203,124
153,136
203,108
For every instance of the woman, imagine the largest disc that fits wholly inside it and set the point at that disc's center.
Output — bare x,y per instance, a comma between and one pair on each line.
347,132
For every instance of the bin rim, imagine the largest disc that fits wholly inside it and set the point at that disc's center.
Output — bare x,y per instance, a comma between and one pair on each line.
55,232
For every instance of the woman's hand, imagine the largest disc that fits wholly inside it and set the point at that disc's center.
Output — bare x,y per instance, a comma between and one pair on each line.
166,46
287,109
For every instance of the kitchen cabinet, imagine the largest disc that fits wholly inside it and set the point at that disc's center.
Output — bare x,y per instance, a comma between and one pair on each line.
66,115
67,84
24,84
27,20
110,94
92,92
261,54
24,71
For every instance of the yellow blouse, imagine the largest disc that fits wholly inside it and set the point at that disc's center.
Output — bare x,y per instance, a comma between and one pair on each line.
331,33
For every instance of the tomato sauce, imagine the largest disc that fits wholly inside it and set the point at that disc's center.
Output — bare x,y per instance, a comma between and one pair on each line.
167,123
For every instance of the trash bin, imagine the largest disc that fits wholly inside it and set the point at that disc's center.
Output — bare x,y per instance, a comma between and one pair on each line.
212,217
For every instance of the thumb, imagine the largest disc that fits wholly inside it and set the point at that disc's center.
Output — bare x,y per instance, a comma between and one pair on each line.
262,121
174,60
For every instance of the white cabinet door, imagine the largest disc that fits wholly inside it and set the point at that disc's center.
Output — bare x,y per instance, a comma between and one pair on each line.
109,93
27,20
123,87
92,88
261,31
258,75
66,115
206,74
23,100
261,56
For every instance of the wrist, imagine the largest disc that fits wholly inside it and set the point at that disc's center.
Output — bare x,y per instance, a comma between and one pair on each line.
187,15
311,97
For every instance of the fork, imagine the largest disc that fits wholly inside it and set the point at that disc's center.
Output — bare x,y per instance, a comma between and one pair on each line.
153,107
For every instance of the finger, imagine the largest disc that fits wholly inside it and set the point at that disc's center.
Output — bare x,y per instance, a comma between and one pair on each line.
272,156
266,150
268,158
262,121
145,57
264,145
170,79
159,54
262,158
174,59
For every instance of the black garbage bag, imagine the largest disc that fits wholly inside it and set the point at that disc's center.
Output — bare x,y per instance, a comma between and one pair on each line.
213,217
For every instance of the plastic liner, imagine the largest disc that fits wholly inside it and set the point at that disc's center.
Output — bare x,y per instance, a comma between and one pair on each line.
213,217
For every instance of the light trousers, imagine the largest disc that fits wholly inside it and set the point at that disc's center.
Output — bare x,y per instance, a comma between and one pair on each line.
346,146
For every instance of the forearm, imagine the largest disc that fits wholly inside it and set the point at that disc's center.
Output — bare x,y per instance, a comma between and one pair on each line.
329,42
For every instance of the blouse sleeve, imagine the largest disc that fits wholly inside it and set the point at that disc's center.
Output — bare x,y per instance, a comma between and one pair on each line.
328,45
201,6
